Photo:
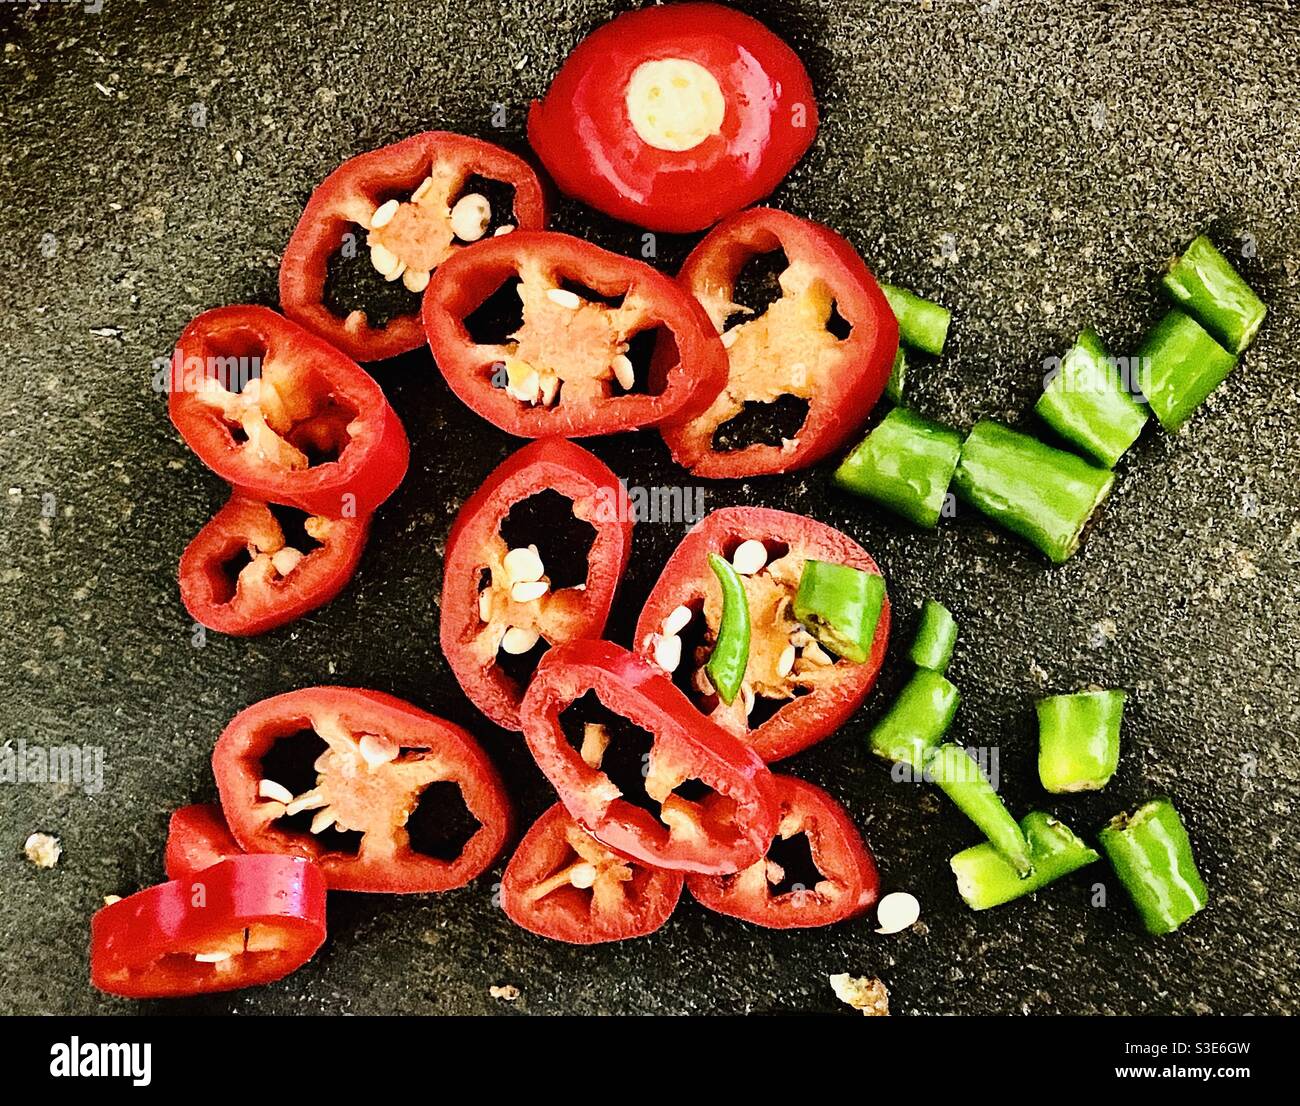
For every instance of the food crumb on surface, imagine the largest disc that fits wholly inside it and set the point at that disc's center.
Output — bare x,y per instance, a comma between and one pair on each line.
870,996
507,993
109,900
43,850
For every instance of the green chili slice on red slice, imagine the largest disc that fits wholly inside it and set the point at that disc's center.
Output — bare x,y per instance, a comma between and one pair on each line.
985,878
935,639
1150,852
1078,740
1087,404
730,657
1205,285
916,721
922,323
897,377
1180,365
960,777
840,606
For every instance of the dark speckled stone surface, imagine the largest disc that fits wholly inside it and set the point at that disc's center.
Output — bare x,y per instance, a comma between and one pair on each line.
1029,164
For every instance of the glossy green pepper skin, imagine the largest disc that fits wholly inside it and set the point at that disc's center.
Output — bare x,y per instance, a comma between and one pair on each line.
1045,495
1152,855
1205,285
922,323
985,878
959,777
906,464
935,639
916,721
1078,740
840,606
1181,364
897,378
730,657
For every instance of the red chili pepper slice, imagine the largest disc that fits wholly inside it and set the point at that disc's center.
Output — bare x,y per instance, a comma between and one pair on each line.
197,838
242,575
422,179
487,593
769,893
829,340
780,710
564,884
564,368
243,921
673,117
380,756
283,416
724,830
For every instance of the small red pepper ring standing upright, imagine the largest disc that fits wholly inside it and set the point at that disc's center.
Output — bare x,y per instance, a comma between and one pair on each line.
283,416
245,920
672,117
379,757
197,838
404,196
801,694
829,340
564,369
489,590
725,830
564,884
276,582
768,894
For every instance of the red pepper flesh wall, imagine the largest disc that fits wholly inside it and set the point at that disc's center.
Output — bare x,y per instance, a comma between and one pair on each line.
197,838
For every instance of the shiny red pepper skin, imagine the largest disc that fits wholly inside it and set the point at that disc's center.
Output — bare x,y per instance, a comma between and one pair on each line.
379,801
475,544
583,134
686,378
734,821
686,580
340,408
857,369
849,884
638,907
268,911
343,204
197,838
260,599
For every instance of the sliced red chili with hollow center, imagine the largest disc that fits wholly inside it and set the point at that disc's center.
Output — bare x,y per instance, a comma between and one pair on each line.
197,838
497,599
243,921
842,878
243,575
565,369
794,693
381,755
722,830
564,884
283,416
829,339
410,200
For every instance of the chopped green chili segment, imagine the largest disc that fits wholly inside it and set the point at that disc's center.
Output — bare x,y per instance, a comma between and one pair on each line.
1045,495
922,324
1078,740
1087,404
1205,285
730,657
959,776
1180,364
906,464
1152,856
985,879
935,638
916,721
840,606
897,378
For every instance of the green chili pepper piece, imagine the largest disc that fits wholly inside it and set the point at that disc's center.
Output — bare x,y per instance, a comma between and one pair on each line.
1078,740
906,463
840,606
1152,856
726,664
1181,364
1043,494
1086,403
1204,284
959,777
985,879
922,324
897,378
916,721
935,638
